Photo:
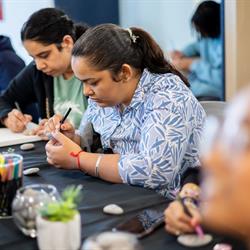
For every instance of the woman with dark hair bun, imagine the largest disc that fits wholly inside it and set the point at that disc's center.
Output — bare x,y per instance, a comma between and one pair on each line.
202,60
48,36
141,107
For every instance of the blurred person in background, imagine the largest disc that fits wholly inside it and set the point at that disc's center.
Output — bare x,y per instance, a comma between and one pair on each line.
202,60
10,63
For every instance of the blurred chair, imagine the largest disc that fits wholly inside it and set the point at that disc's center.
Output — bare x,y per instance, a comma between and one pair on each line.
215,108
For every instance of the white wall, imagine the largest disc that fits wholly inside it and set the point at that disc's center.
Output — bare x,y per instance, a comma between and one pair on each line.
15,13
167,20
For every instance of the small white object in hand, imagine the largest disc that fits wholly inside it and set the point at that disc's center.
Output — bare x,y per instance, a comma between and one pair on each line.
113,209
27,146
31,171
194,240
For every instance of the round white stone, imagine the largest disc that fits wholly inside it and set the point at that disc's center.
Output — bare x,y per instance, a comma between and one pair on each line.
193,240
27,146
113,209
30,171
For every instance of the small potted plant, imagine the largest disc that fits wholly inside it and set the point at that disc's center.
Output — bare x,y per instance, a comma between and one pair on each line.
59,223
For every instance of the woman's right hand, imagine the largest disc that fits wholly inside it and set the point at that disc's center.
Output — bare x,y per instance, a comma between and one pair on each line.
53,124
16,121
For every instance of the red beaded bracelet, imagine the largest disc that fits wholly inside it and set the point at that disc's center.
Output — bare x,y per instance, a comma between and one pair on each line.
77,155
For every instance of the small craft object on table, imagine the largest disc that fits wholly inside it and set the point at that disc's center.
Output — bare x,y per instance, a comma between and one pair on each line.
31,171
27,146
194,240
113,209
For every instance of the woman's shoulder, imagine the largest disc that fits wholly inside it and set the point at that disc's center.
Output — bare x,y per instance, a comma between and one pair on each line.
165,90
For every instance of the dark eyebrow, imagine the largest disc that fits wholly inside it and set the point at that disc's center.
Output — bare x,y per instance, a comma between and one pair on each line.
83,80
43,52
87,79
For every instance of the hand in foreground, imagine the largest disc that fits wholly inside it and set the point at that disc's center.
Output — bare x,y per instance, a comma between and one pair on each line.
16,121
53,124
178,222
58,153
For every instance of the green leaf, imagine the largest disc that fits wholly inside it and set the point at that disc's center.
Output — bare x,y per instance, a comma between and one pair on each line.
65,209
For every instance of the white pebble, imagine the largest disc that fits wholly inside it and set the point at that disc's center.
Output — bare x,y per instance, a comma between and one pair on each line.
193,240
31,171
113,209
27,146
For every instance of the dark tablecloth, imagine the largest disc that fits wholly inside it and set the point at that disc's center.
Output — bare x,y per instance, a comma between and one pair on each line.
96,194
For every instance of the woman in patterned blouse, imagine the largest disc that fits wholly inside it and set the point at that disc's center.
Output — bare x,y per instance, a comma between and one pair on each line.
141,107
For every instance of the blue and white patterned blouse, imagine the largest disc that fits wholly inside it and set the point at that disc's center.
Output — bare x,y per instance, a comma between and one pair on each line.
157,135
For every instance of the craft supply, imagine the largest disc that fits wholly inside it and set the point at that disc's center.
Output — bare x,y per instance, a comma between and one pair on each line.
31,171
10,138
113,209
17,106
65,117
27,203
27,146
11,166
30,126
222,246
197,228
193,240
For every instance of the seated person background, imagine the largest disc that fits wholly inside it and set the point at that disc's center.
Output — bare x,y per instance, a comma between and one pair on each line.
10,63
141,107
225,188
48,36
202,60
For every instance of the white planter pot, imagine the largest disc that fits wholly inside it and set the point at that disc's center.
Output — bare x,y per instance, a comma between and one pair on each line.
56,235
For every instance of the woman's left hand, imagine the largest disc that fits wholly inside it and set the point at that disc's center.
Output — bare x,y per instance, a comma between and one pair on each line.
40,129
59,152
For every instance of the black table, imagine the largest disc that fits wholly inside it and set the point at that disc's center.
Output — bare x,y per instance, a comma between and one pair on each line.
96,194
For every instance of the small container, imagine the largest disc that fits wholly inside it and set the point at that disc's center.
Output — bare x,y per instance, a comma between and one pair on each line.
58,235
11,169
27,202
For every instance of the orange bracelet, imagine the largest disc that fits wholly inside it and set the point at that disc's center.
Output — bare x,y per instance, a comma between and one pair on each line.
77,155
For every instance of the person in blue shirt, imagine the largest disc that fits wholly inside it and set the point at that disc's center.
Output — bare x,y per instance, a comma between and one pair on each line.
202,60
10,63
141,107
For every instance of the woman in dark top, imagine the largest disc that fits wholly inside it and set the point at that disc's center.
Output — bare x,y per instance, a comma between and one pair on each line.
48,36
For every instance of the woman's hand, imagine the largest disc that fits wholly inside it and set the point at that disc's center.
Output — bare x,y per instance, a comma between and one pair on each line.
16,121
178,222
53,124
59,151
40,129
176,54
